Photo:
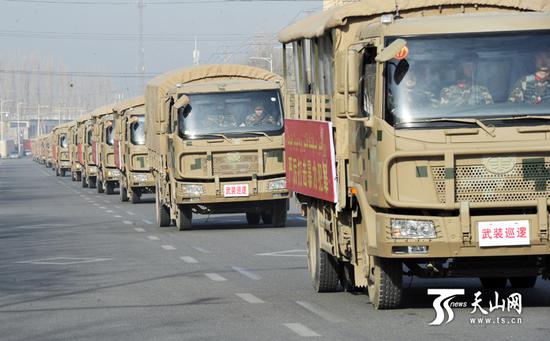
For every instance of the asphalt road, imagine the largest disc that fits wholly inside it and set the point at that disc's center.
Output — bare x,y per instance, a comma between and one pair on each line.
77,265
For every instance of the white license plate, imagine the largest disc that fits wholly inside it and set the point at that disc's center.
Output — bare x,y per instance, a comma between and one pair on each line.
240,190
503,233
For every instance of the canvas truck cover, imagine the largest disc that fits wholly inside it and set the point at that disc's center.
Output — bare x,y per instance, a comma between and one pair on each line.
315,25
159,90
128,104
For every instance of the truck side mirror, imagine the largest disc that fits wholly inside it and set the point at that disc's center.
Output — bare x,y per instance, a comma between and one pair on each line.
347,68
390,51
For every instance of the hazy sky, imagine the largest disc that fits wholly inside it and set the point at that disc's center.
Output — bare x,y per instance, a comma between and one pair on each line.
43,26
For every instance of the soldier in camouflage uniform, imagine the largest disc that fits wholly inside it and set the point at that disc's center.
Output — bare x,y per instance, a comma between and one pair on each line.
259,117
415,96
465,92
534,89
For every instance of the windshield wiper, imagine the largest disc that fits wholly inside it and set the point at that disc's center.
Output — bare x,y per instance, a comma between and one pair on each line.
526,117
218,135
259,133
488,130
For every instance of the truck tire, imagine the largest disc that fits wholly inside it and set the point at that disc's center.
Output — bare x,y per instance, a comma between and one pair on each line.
123,193
162,213
136,197
266,218
523,282
185,218
84,181
63,171
73,176
99,185
385,283
278,215
78,176
57,172
322,271
109,188
253,218
91,181
493,282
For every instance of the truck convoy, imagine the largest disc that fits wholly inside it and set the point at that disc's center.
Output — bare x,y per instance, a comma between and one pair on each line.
215,140
428,121
104,150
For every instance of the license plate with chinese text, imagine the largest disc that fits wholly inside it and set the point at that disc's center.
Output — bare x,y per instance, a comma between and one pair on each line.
503,233
240,190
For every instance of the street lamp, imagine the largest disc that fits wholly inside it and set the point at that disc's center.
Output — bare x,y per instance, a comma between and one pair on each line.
265,59
2,101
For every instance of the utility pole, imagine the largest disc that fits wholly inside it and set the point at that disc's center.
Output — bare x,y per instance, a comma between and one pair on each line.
265,59
141,51
196,54
2,101
18,128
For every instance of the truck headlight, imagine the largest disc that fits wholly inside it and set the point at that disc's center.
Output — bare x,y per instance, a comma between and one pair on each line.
93,169
139,177
406,229
192,190
276,185
113,173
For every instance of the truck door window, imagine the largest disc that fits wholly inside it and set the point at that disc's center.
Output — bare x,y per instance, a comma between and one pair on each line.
368,81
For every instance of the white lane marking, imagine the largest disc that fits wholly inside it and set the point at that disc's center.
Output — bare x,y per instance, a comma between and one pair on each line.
127,222
168,247
109,211
246,273
95,204
215,277
200,249
188,259
64,261
116,206
117,216
103,207
285,253
301,330
250,298
319,311
139,229
147,222
130,213
152,237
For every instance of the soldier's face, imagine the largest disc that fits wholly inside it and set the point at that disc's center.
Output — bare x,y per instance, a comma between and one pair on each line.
259,111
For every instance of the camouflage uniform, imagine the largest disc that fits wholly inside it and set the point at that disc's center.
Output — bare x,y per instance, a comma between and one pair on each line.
253,120
463,94
530,89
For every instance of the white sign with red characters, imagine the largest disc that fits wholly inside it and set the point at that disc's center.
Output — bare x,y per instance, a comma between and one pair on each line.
240,190
503,233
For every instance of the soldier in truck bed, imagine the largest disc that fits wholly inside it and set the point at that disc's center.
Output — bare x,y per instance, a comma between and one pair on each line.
535,88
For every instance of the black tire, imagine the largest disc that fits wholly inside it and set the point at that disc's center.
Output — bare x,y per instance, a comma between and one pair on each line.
99,185
523,282
73,176
493,282
123,193
278,215
253,218
185,218
136,197
92,182
63,171
57,172
162,212
386,283
109,188
266,218
322,270
84,181
78,176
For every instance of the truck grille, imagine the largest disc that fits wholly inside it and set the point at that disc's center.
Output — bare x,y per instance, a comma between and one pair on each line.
236,163
526,181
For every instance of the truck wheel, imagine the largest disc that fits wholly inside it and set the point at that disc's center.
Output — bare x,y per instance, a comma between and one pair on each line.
73,176
63,171
385,283
109,188
136,197
99,185
57,172
493,282
322,271
92,182
123,193
266,218
279,214
523,282
253,218
78,176
185,217
163,215
84,181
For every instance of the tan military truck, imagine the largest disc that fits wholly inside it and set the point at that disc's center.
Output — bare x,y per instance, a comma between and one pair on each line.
211,151
76,168
86,150
60,150
432,116
107,173
131,155
48,152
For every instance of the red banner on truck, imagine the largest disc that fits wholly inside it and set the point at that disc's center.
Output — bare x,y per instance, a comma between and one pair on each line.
310,162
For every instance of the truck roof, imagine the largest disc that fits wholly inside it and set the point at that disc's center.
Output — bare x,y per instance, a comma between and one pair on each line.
129,103
316,24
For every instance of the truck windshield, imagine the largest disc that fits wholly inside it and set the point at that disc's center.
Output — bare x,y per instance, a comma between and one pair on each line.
110,135
63,142
137,135
231,113
474,75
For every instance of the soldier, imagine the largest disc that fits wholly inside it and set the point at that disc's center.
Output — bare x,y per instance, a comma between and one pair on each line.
535,88
465,92
416,96
220,119
259,117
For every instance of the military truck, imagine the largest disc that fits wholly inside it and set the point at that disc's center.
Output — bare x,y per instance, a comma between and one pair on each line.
76,168
131,156
430,126
48,150
104,129
210,150
86,150
60,150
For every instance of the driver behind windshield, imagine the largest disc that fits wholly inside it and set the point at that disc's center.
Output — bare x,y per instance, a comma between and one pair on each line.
465,91
220,118
259,117
534,88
